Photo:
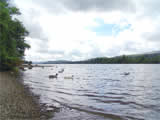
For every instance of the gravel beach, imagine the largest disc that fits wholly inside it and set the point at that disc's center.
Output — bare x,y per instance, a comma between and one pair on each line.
17,102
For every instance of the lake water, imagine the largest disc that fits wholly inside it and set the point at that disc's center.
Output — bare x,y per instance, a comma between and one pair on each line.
99,91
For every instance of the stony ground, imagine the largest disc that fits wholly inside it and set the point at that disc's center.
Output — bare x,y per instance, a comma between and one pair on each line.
16,102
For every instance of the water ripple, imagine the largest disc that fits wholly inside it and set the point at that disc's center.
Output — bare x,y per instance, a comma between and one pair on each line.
101,90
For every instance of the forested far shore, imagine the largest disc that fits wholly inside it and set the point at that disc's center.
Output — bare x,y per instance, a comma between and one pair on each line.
144,59
124,59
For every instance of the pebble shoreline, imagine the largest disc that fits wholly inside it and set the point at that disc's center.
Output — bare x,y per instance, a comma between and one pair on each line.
17,102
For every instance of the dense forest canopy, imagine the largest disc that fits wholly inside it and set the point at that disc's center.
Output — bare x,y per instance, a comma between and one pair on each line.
12,37
126,59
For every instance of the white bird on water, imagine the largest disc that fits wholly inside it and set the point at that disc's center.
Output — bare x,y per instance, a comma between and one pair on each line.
69,77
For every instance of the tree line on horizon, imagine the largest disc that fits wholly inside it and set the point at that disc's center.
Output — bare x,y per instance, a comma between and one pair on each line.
124,59
12,37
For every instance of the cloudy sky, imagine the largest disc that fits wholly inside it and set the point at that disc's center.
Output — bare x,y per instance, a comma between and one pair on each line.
82,29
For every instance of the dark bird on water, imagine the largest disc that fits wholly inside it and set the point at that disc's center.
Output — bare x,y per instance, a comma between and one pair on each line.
53,76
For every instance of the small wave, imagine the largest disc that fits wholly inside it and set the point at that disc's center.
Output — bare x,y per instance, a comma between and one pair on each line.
123,94
102,96
41,86
96,111
91,110
110,79
122,102
35,82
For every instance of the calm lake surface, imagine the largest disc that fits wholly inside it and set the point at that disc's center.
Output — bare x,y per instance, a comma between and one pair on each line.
99,91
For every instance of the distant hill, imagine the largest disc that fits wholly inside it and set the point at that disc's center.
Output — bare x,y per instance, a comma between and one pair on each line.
58,62
147,54
145,58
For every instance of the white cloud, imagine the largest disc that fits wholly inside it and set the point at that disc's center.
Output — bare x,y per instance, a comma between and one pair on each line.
62,33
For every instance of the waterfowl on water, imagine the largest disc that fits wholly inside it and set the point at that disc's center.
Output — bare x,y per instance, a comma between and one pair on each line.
61,71
53,76
69,77
126,73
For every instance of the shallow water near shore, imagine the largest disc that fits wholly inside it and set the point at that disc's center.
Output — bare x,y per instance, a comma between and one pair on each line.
99,92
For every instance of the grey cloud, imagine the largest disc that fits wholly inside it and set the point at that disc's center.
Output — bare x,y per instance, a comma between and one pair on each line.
97,53
35,31
57,52
151,7
30,19
113,51
104,5
76,53
51,52
147,9
130,46
87,5
153,36
135,48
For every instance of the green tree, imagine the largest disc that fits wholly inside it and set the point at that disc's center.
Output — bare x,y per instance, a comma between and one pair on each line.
12,37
